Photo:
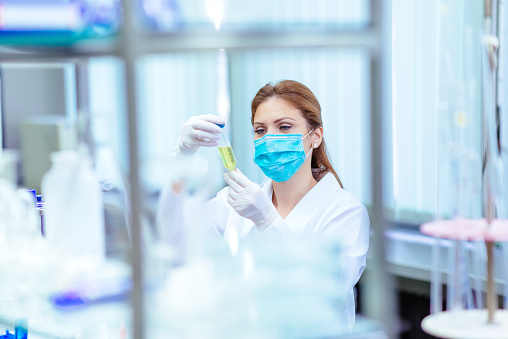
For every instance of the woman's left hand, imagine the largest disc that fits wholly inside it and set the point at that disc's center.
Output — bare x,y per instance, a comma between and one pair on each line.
249,200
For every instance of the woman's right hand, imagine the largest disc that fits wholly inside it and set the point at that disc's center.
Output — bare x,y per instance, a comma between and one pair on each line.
200,130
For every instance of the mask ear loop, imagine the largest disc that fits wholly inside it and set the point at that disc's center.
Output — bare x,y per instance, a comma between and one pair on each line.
310,151
311,148
308,133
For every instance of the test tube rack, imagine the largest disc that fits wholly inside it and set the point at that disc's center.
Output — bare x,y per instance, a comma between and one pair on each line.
489,323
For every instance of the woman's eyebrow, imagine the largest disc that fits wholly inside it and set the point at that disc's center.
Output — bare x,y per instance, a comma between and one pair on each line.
257,123
283,118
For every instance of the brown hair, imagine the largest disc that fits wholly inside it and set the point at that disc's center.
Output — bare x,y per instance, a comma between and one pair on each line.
302,98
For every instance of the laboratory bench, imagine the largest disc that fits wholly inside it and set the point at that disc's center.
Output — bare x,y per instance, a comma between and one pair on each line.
409,256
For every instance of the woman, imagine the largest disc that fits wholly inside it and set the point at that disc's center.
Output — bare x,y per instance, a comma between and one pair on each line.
304,195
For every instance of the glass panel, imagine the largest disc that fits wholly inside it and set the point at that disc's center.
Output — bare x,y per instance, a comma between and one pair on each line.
196,272
172,89
66,251
256,15
503,103
53,22
436,109
177,86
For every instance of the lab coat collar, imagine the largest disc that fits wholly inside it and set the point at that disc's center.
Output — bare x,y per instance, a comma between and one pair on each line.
302,213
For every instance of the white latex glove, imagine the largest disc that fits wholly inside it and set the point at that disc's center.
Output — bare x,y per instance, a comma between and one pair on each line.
249,200
199,131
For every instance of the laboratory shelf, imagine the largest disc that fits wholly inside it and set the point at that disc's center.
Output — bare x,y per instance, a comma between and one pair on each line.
157,43
467,229
132,42
467,324
160,43
81,50
40,38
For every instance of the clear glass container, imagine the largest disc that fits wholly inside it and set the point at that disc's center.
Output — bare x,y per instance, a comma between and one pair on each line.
226,151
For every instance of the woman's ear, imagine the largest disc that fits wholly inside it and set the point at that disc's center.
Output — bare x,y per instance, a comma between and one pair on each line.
317,137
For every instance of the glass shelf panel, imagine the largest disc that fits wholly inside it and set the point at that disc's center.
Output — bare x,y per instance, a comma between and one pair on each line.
265,15
65,22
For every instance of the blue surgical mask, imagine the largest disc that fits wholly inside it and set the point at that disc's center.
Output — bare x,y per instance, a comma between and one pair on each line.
280,155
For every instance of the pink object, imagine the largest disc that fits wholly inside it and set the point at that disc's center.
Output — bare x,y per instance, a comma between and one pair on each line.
467,229
498,231
122,333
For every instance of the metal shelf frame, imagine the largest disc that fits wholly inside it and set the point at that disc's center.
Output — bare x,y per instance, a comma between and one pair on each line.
132,42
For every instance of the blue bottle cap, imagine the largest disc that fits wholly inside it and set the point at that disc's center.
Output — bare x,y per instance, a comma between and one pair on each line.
7,335
31,190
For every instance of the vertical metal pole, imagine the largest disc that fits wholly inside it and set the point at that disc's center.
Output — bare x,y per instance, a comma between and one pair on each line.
128,51
491,151
82,85
379,302
84,115
491,295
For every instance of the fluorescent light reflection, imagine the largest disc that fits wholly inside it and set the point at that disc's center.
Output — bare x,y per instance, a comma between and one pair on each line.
215,11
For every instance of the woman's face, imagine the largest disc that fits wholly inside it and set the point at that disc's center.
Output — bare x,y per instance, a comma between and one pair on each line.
277,116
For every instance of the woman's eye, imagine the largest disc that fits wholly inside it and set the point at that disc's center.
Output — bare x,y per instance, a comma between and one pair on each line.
285,127
259,131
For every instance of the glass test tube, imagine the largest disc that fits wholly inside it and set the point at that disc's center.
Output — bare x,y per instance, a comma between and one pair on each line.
225,150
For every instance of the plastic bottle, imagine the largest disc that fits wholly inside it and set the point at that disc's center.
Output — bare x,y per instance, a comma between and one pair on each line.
73,206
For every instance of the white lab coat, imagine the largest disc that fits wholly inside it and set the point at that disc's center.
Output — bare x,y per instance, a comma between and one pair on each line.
326,210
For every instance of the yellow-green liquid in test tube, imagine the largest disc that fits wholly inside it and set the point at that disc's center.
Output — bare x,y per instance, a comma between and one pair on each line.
225,150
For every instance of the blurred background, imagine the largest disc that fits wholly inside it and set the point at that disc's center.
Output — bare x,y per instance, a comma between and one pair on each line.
114,81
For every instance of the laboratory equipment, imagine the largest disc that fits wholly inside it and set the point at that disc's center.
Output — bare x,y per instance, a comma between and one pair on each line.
461,254
179,227
20,240
116,202
226,151
50,22
9,159
467,314
74,213
41,136
39,207
93,292
12,208
268,288
163,15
